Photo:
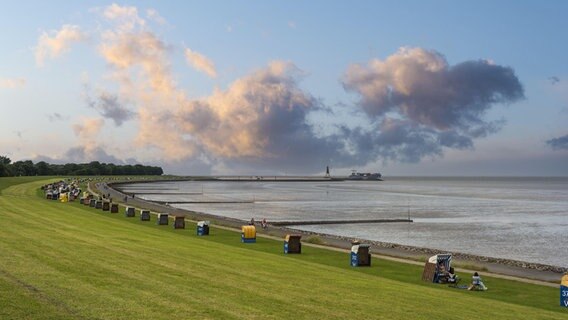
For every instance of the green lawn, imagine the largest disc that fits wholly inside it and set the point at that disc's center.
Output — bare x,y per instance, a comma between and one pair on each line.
65,260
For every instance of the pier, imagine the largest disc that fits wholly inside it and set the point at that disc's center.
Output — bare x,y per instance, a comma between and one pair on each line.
277,178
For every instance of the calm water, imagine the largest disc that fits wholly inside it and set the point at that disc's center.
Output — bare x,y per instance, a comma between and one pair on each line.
517,218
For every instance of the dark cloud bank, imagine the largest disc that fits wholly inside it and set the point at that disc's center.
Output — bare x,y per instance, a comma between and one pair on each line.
560,143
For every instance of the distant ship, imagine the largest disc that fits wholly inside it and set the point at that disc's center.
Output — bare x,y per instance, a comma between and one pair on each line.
364,176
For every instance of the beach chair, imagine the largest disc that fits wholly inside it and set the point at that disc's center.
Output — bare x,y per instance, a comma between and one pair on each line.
144,215
360,255
564,291
292,243
437,267
129,212
203,228
248,234
179,222
162,219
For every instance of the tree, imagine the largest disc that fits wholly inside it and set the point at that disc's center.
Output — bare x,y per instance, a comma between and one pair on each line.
5,160
24,168
43,169
28,168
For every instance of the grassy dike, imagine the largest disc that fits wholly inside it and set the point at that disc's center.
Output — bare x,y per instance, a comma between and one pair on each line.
68,261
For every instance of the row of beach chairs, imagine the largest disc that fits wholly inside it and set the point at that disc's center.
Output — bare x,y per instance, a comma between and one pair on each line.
437,269
360,253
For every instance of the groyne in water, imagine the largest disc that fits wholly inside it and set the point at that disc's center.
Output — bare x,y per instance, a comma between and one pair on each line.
318,222
200,202
163,193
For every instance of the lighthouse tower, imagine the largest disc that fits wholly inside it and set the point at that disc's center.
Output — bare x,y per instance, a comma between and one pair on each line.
327,172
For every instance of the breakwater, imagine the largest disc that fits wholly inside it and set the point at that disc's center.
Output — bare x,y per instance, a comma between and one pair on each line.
348,221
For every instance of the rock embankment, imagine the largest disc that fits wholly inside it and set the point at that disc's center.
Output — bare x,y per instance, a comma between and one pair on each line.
456,255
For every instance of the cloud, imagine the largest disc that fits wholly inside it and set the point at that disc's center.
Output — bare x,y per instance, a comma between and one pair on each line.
81,154
154,15
560,143
435,102
127,18
84,154
129,45
292,24
139,61
54,45
159,132
12,83
410,106
109,107
260,120
200,62
88,128
56,117
401,141
197,165
553,80
89,148
421,86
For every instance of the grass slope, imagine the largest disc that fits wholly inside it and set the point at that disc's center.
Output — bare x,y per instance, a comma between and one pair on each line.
65,260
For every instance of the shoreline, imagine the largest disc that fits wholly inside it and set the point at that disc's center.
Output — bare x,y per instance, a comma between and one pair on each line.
500,266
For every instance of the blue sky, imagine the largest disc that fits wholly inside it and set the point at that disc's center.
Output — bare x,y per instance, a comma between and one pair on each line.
271,86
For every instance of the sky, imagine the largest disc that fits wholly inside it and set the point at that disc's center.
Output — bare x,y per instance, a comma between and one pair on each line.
432,88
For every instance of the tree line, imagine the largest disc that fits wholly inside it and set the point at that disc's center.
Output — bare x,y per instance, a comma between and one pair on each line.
94,168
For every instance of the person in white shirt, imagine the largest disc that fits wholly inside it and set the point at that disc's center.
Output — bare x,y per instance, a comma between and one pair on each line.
477,283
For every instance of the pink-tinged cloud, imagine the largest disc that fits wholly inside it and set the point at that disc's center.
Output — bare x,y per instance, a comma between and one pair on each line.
421,86
159,131
126,17
12,83
140,64
261,117
421,104
128,46
200,63
55,43
88,129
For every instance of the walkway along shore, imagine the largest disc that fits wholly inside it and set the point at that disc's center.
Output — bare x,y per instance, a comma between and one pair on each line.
496,267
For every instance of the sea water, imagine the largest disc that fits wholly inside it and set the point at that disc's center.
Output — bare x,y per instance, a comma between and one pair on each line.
516,218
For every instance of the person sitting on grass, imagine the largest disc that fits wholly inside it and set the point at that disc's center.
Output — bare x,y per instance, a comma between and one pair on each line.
442,274
476,283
